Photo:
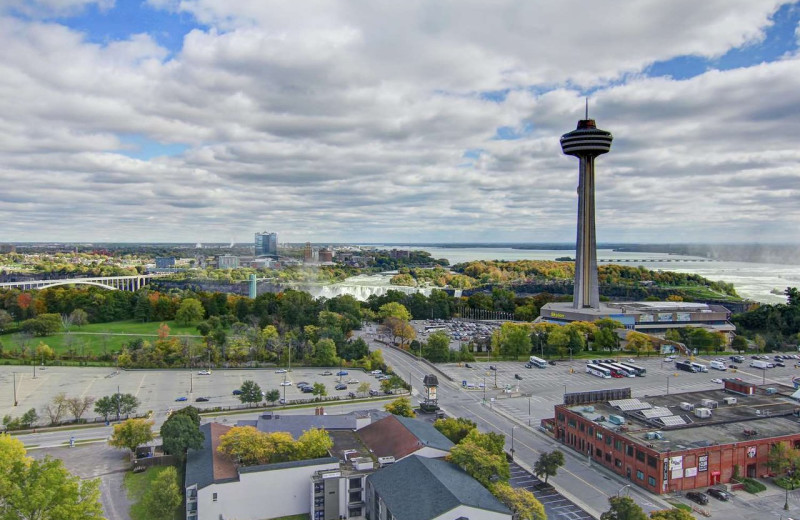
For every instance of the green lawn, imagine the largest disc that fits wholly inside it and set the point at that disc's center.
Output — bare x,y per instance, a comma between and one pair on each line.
137,484
97,338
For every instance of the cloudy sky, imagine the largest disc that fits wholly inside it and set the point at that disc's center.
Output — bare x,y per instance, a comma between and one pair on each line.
387,121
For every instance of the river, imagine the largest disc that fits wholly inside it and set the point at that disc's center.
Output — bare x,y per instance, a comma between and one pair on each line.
754,281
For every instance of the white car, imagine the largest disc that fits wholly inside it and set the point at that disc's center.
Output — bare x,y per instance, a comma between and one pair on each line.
281,371
716,380
352,382
204,373
631,360
376,372
286,383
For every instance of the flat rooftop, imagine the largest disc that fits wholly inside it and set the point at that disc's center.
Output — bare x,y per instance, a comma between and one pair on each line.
763,415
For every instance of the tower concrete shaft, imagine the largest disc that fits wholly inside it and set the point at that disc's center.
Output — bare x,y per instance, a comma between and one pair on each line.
586,142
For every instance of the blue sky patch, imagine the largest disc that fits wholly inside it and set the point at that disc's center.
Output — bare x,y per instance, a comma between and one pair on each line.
140,147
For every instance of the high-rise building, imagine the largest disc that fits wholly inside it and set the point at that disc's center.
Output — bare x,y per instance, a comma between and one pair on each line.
308,254
586,142
266,244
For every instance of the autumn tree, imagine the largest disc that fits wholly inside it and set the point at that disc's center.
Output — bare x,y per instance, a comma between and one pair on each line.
44,351
79,405
163,495
79,317
190,311
314,443
400,406
520,501
56,408
481,464
512,340
249,446
638,343
363,388
671,514
394,310
131,434
43,489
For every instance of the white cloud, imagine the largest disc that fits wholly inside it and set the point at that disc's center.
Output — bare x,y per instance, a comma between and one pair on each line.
338,121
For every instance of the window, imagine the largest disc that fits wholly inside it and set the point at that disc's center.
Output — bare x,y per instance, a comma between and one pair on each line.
591,430
354,512
651,481
608,456
571,423
355,496
609,439
599,435
618,444
639,475
355,483
560,417
652,461
630,450
618,463
581,427
598,452
640,455
214,497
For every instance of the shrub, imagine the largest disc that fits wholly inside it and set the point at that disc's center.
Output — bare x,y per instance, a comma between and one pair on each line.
753,486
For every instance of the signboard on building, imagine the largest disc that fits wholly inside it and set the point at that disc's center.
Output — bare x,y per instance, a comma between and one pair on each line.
751,452
666,472
702,463
676,474
664,316
676,463
646,318
683,316
690,472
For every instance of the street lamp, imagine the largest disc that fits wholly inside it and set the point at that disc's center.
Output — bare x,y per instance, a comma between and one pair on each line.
529,410
512,442
790,480
667,385
623,487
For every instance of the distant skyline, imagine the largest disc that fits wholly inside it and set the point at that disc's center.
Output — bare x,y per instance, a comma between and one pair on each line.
396,122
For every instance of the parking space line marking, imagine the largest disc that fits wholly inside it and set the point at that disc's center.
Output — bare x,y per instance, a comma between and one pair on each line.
140,385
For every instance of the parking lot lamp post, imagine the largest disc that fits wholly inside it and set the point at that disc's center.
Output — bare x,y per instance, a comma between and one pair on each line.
512,441
789,480
764,376
529,410
484,390
495,377
118,398
667,385
191,382
570,353
15,389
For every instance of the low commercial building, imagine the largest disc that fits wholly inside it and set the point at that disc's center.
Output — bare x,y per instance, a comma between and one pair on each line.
683,441
227,262
647,317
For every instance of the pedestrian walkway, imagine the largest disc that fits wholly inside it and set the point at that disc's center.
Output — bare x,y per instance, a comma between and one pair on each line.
555,505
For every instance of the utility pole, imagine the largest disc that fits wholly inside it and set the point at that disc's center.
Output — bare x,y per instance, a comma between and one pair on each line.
191,382
118,402
15,389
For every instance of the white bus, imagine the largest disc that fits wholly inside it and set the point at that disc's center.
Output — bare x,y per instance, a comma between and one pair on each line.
624,370
700,367
639,371
538,362
598,371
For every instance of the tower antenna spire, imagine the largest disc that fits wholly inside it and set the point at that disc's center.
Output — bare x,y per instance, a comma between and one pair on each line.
587,108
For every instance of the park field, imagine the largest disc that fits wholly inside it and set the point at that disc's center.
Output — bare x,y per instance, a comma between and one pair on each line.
99,338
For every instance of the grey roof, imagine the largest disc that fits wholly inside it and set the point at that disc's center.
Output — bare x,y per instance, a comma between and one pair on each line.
418,488
426,433
289,464
200,463
295,425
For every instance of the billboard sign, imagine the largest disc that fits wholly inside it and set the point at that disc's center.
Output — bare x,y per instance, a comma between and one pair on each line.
702,463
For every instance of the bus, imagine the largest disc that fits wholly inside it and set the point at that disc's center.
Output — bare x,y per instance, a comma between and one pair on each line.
639,371
538,362
624,370
685,366
597,370
615,372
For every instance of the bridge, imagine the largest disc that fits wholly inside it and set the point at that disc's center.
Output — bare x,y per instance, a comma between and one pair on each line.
112,283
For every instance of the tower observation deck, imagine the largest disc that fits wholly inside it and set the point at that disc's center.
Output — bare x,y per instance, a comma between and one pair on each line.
586,142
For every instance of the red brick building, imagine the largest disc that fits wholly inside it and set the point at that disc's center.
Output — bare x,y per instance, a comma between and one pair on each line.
681,441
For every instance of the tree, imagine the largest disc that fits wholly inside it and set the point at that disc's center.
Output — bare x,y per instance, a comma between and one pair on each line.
314,443
5,319
739,344
179,433
363,388
79,317
43,489
29,418
623,508
190,311
400,406
78,406
249,446
671,514
116,404
454,429
548,463
760,342
325,353
394,310
521,502
56,409
638,342
272,396
512,340
319,390
251,392
44,351
437,348
131,434
605,339
163,496
189,411
481,464
779,459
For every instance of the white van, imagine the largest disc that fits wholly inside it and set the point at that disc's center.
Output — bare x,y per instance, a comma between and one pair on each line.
700,367
718,365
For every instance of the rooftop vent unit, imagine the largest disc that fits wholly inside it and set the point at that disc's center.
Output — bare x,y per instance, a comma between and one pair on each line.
650,436
616,419
702,413
709,403
772,391
686,406
729,400
385,461
589,409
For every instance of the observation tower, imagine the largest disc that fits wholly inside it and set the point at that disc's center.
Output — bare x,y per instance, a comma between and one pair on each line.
586,142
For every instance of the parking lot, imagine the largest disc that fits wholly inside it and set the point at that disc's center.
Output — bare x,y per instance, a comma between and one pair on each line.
158,390
555,505
532,397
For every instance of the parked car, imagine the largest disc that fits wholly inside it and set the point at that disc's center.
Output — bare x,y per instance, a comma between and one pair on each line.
716,380
492,367
373,393
201,400
719,494
237,392
181,399
376,372
286,383
204,373
342,373
352,381
467,365
528,365
341,386
553,363
327,373
517,376
780,364
307,389
302,383
351,395
696,496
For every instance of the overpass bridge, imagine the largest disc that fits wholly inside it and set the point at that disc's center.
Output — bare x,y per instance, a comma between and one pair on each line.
112,283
